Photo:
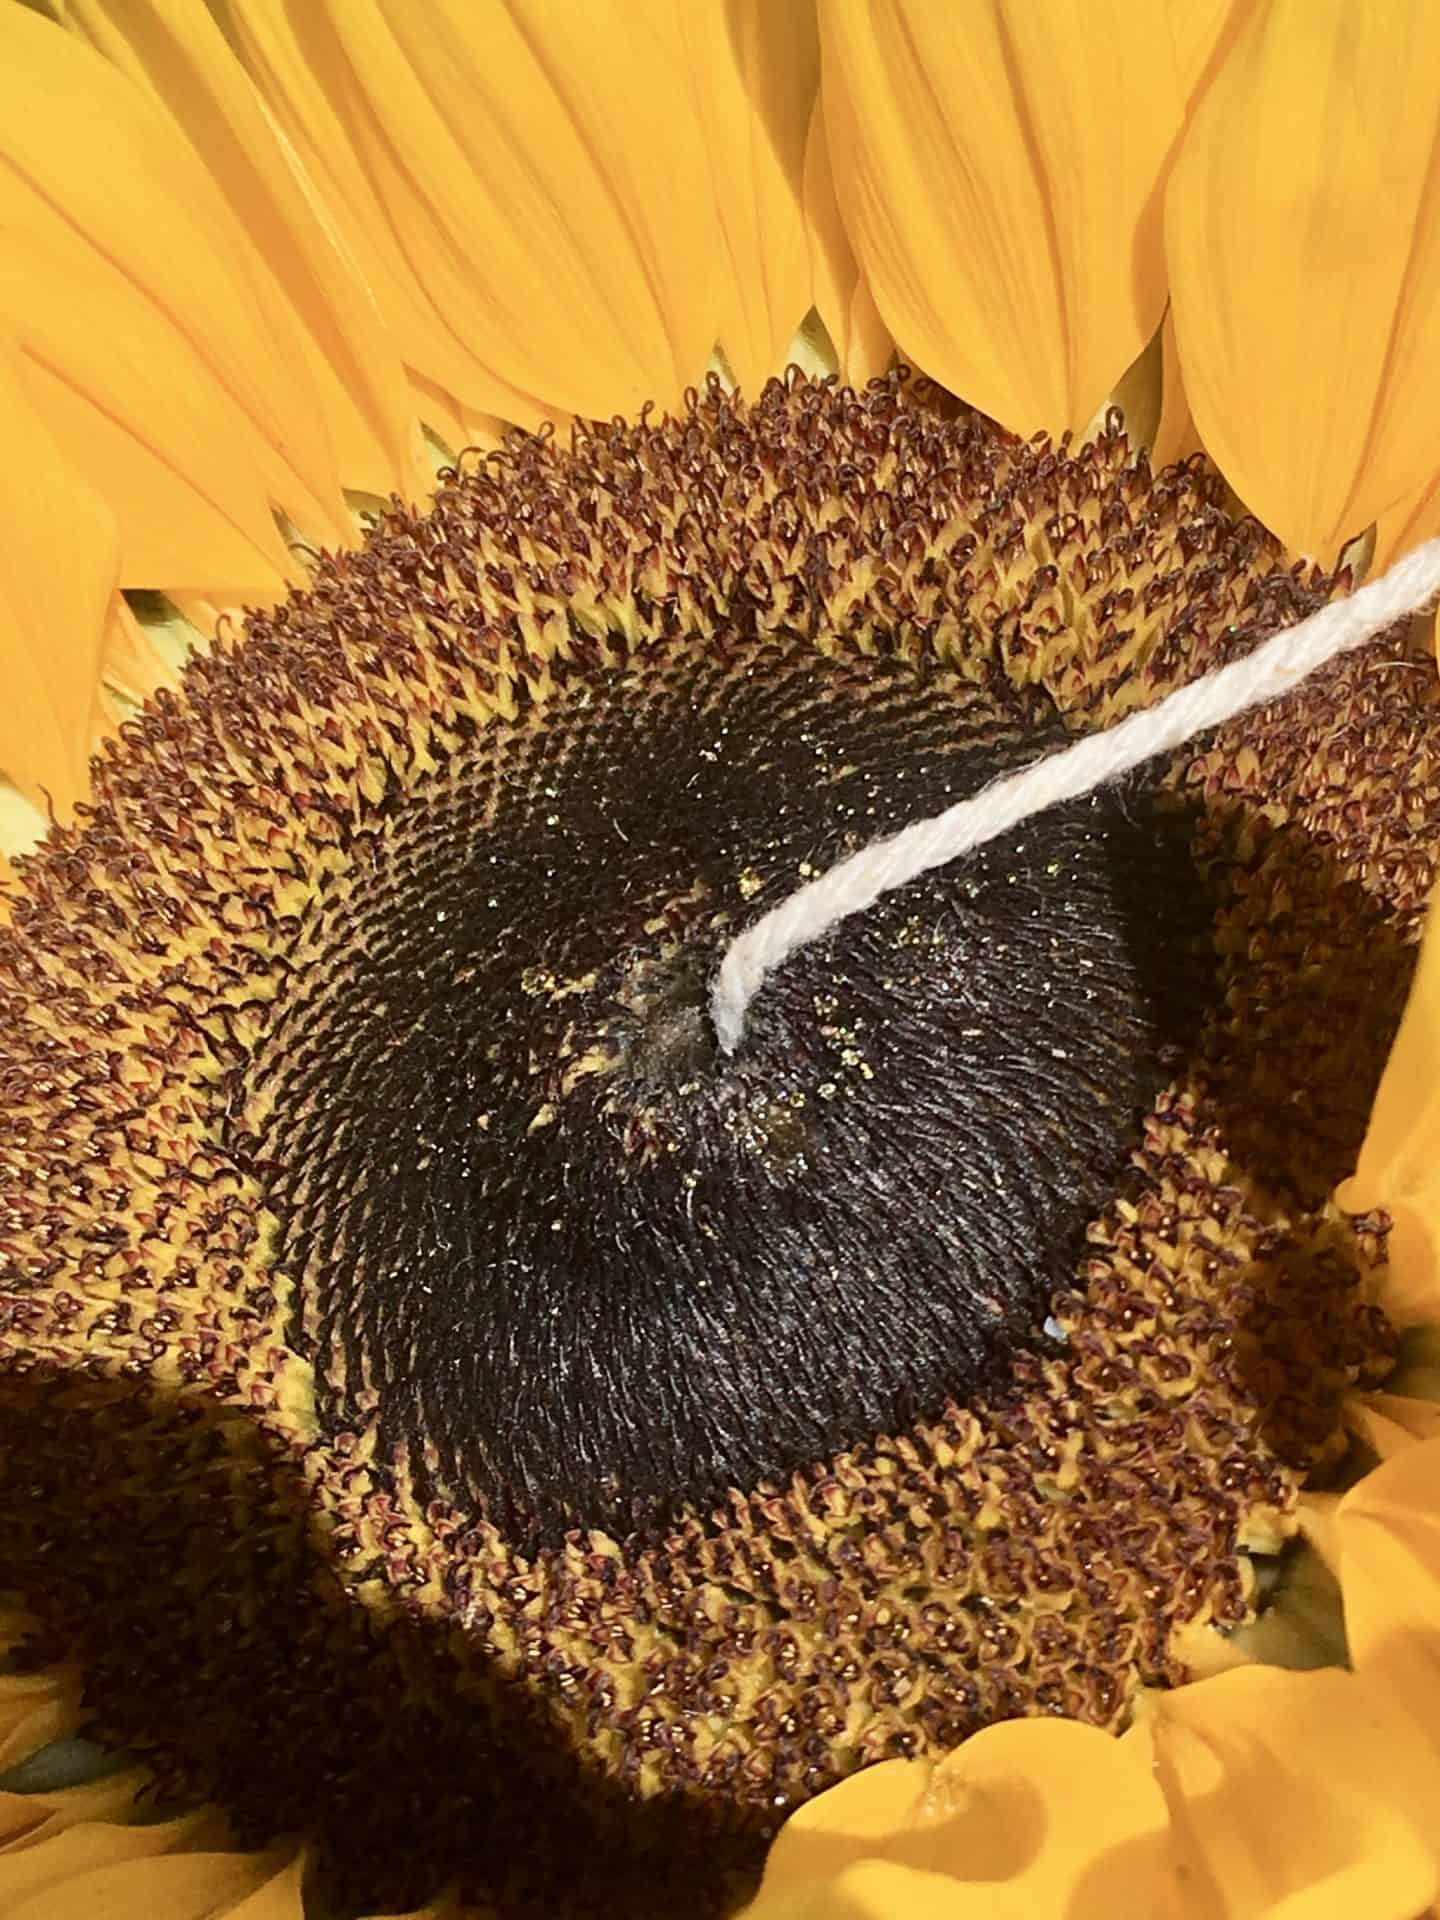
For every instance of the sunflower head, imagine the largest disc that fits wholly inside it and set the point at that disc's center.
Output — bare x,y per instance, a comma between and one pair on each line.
432,1366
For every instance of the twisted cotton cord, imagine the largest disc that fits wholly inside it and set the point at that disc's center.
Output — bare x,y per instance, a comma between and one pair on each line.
1275,668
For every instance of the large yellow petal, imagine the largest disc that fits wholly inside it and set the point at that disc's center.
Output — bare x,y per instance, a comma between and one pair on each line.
853,1821
139,413
1303,239
755,65
55,1868
1391,1423
1037,1816
161,1873
1388,1535
176,50
1294,1796
998,167
281,1897
1414,518
1399,1164
297,62
1201,32
58,565
525,186
181,1886
165,368
1030,1817
875,1889
840,291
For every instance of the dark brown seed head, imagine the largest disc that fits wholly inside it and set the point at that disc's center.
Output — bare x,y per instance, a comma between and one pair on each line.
580,1269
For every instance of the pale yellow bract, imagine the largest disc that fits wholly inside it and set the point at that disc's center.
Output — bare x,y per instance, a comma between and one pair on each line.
260,258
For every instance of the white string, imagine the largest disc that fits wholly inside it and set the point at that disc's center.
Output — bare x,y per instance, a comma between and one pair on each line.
1274,668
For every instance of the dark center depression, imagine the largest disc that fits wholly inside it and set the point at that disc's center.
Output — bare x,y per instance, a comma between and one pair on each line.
583,1269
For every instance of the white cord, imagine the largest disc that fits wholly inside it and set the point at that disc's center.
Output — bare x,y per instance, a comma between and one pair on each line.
1274,668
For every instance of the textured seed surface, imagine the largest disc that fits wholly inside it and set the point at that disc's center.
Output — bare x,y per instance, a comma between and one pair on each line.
589,1273
257,1479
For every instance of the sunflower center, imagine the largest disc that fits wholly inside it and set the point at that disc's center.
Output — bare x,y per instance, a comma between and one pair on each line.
376,1207
589,1272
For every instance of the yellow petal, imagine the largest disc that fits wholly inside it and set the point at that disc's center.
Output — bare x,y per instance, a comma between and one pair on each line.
297,61
1304,251
1201,32
1030,1817
279,1898
998,169
1317,1513
1293,1796
177,51
755,66
455,425
1388,1529
1176,437
1388,1423
853,1821
1399,1164
840,291
1043,1816
126,182
140,414
58,565
54,1869
496,173
165,371
182,1886
877,1890
130,664
1413,519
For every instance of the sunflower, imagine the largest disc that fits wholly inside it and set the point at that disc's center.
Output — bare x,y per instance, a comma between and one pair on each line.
497,497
